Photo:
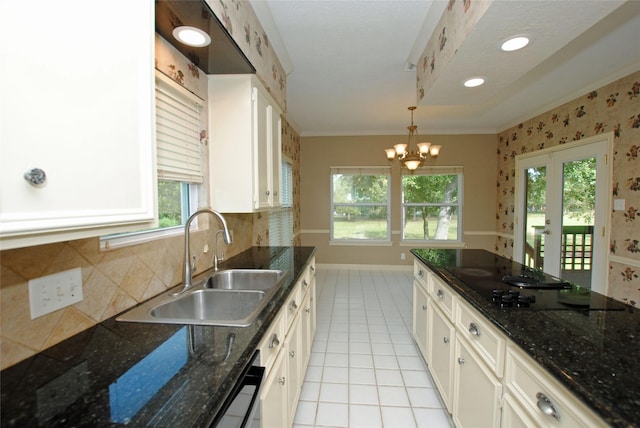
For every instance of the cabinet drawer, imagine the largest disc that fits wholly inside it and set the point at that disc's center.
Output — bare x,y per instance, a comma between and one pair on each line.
488,342
442,295
537,392
272,342
420,272
292,305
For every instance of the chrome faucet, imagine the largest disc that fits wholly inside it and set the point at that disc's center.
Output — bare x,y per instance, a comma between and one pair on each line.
217,259
187,272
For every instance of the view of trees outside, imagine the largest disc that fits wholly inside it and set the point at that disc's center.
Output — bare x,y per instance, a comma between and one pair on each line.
578,202
360,206
169,203
578,195
430,207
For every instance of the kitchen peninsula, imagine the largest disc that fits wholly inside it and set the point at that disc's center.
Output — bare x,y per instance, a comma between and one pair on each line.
585,344
140,374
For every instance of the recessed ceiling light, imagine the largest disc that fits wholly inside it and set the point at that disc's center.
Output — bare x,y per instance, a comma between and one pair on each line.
473,82
191,36
514,43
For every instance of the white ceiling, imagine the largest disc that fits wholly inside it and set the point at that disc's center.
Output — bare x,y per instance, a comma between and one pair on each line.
346,61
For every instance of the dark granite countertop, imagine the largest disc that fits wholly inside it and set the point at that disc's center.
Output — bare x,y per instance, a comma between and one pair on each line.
140,374
594,353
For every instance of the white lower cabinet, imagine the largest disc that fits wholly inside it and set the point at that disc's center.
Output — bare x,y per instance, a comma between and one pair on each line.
542,399
440,355
485,379
273,398
477,391
420,322
285,352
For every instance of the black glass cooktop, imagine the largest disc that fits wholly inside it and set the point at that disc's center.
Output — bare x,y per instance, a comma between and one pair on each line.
509,284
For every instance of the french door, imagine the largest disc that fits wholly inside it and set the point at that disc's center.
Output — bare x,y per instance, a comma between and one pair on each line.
562,210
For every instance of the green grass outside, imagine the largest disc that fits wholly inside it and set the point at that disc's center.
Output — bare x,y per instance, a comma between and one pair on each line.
376,229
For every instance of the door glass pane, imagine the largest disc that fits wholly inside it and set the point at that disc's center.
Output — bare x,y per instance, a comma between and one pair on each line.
578,214
534,224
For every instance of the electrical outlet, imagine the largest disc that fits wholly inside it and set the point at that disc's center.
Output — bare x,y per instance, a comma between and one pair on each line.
403,256
52,292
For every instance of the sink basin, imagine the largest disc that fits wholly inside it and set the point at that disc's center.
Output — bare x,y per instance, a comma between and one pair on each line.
244,279
232,297
215,306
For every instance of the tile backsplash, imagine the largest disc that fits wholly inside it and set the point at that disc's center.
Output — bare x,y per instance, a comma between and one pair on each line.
113,281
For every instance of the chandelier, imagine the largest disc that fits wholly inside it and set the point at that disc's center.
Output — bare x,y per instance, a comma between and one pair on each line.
413,159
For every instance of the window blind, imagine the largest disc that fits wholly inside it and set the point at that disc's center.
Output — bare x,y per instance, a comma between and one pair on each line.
281,222
179,152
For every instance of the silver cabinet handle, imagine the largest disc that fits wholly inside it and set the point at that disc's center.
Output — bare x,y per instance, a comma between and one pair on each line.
308,310
267,193
292,354
420,273
35,176
424,307
304,282
546,406
474,330
281,380
445,339
293,306
274,341
460,360
440,294
312,268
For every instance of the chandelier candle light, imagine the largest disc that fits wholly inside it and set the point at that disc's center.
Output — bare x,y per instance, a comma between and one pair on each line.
413,159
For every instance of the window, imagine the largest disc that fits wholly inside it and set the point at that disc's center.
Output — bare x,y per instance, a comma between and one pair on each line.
281,221
179,160
432,205
360,204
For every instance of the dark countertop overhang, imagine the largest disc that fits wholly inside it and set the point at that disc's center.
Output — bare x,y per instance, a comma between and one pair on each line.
141,374
594,354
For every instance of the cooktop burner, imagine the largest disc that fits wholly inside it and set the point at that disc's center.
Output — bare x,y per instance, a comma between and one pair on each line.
530,290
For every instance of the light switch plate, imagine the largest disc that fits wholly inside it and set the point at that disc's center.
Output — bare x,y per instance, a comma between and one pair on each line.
52,292
618,204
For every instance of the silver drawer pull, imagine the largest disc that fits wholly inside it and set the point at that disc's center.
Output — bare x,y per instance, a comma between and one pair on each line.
420,273
293,306
546,406
312,268
292,354
424,307
445,339
460,360
304,282
440,294
281,380
308,310
274,341
474,330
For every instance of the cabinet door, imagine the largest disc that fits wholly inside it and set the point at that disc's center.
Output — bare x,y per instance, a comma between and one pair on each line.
273,398
275,138
441,342
81,110
420,308
294,367
477,392
261,141
308,319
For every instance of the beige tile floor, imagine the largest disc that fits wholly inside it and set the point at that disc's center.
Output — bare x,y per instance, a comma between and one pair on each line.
365,369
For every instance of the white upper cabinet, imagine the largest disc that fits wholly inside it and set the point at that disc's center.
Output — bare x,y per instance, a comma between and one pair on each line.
77,111
245,144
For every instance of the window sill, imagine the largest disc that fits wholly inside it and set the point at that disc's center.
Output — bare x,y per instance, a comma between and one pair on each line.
114,242
433,244
361,243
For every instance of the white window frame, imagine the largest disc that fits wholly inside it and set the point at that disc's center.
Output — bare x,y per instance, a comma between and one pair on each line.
360,170
191,177
435,170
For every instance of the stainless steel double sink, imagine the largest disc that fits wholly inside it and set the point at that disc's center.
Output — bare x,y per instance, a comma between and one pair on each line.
231,297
